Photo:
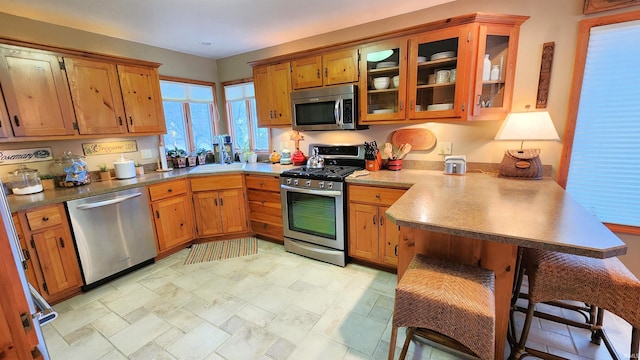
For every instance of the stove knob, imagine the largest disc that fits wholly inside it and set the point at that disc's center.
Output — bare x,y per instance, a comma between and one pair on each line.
330,185
308,183
295,182
321,184
288,181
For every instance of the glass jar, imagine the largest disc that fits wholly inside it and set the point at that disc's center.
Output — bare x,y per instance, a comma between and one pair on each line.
24,181
71,170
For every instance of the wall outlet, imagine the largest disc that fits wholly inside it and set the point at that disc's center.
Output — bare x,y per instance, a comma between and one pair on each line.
444,148
145,154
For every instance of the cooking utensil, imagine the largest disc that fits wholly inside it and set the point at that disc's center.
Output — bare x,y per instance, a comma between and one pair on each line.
404,150
388,150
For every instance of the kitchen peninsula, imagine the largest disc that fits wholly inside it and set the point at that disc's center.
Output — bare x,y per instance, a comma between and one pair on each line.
481,219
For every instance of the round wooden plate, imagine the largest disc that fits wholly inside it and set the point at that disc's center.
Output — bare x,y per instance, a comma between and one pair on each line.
420,139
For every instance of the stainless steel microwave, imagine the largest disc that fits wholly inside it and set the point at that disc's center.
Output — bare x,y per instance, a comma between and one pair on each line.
327,108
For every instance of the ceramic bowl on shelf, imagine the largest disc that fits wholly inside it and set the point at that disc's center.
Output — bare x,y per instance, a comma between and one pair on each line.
386,64
396,81
383,111
443,55
422,59
381,83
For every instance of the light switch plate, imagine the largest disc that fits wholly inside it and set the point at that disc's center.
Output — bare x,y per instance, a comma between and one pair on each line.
145,154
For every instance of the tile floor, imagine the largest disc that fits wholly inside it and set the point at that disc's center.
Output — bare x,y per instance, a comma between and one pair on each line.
270,306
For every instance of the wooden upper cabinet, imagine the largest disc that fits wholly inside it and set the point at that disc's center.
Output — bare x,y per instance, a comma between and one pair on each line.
36,92
272,84
5,130
142,99
96,95
339,67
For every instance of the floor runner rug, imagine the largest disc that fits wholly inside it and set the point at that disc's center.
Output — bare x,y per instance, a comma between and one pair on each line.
220,250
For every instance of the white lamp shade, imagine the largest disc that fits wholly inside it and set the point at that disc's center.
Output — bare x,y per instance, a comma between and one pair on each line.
532,125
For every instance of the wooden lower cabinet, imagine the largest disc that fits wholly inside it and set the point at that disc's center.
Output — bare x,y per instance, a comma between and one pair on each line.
172,213
17,341
219,204
52,265
372,237
265,209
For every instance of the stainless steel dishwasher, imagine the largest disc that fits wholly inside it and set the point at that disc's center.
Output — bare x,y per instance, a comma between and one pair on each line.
113,233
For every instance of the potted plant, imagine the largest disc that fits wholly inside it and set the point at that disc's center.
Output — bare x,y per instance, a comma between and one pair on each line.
47,182
192,160
139,169
202,156
105,174
178,156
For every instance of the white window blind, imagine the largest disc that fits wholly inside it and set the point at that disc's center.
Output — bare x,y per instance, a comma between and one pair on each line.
604,171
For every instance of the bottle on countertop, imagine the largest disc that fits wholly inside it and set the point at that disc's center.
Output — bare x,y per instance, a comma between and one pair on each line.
486,70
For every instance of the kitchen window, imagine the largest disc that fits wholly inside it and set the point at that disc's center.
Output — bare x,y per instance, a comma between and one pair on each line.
599,169
242,118
190,114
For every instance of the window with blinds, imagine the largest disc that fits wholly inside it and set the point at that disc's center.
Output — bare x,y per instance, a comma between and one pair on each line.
604,170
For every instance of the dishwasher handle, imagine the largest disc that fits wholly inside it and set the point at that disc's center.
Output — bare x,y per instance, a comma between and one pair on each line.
107,202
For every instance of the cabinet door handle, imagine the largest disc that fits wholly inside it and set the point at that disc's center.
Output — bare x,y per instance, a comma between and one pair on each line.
411,105
61,242
479,101
157,214
45,218
216,201
401,106
326,72
130,120
120,120
318,73
16,120
261,183
381,220
374,219
377,196
221,203
395,250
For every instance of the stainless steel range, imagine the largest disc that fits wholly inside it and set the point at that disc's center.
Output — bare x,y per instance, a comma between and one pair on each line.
314,206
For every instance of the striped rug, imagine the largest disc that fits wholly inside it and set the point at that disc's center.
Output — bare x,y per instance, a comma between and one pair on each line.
220,250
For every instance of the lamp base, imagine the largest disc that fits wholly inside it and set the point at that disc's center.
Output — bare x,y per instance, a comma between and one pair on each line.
521,164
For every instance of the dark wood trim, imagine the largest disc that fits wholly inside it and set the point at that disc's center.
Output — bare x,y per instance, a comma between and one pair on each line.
576,86
235,82
435,25
625,229
188,81
77,53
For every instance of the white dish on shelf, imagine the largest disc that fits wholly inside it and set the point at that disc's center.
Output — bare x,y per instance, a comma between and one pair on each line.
386,64
422,59
447,106
383,111
443,55
164,170
381,83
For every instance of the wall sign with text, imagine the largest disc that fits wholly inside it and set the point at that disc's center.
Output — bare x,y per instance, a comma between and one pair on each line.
115,147
25,155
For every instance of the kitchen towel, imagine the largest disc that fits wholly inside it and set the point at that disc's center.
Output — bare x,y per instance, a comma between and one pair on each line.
220,250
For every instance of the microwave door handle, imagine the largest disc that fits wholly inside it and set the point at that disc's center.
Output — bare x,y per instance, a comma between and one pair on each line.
337,111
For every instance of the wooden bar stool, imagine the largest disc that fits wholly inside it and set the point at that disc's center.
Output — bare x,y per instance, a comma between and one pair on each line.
604,283
454,300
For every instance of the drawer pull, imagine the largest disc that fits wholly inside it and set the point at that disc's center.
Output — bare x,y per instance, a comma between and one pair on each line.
169,190
130,120
221,203
261,183
16,120
61,242
216,201
377,196
45,218
157,214
395,250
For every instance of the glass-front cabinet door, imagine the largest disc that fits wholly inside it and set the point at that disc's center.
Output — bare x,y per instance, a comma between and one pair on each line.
383,69
438,74
495,71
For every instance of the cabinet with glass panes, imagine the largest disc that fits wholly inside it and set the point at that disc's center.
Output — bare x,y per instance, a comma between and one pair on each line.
383,87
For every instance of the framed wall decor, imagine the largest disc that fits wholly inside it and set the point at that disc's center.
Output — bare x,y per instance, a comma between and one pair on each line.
593,6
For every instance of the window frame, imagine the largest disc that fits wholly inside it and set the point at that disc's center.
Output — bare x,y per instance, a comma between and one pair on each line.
230,129
575,94
213,108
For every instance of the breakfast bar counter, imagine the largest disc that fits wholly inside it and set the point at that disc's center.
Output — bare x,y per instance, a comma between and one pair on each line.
481,220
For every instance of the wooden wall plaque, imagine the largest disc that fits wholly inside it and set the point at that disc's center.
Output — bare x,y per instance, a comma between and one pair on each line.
545,74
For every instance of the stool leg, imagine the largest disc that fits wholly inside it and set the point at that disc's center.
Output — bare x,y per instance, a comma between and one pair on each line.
596,329
405,347
635,343
517,285
518,350
392,342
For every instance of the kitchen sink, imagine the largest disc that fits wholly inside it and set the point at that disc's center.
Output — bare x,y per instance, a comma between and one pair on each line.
212,168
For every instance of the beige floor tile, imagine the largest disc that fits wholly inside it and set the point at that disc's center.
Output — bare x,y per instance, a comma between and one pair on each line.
139,334
293,324
85,343
315,346
74,319
249,343
198,343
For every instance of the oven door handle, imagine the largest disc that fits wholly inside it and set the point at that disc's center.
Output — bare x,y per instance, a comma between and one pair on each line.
332,193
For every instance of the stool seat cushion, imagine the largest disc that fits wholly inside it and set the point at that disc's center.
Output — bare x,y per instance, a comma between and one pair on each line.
453,299
605,283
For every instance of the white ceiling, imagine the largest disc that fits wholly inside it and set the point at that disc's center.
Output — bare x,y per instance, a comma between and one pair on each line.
232,26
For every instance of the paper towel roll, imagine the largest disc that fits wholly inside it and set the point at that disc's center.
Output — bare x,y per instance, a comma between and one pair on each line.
163,158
